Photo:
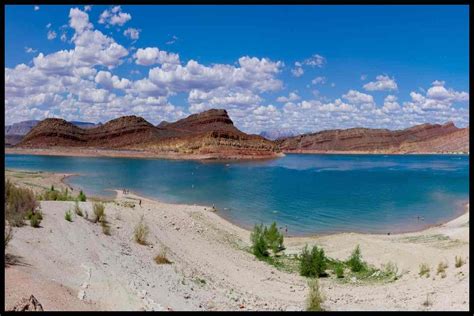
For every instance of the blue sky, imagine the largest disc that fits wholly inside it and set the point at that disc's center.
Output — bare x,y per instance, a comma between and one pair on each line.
301,68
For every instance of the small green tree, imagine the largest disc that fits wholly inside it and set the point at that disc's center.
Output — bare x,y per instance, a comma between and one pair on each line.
68,215
81,196
274,238
313,263
259,243
355,261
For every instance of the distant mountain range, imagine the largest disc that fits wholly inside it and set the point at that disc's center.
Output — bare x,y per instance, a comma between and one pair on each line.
212,134
277,134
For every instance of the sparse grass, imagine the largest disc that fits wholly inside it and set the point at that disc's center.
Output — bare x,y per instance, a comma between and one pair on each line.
424,270
35,218
427,302
77,209
315,299
81,197
18,202
442,268
8,234
68,215
161,257
140,232
105,225
458,262
99,212
390,270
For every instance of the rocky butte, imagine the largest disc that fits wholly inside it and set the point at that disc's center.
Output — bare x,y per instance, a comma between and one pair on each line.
207,135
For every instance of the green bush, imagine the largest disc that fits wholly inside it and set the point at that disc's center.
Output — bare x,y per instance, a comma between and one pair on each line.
355,261
259,244
18,202
68,216
312,263
99,212
314,298
35,219
339,270
81,197
264,238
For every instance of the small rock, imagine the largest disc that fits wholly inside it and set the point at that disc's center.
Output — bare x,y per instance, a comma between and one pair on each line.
187,296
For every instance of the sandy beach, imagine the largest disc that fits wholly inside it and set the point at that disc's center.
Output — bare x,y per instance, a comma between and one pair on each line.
74,266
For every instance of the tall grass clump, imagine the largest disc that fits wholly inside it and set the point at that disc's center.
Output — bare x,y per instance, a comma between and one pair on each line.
355,261
315,298
18,203
99,212
161,257
339,270
77,209
424,270
8,234
68,215
442,266
35,218
140,232
458,261
264,239
313,263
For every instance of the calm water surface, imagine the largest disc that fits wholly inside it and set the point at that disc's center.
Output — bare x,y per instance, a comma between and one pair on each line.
307,193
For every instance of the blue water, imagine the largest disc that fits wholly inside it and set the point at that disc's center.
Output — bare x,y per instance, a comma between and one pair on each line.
309,194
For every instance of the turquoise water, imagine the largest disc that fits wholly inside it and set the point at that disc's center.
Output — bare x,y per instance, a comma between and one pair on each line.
307,193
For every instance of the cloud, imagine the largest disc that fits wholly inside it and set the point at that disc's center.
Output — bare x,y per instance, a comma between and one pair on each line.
30,50
363,77
87,8
36,8
315,61
48,25
173,40
110,82
390,104
79,20
114,16
381,83
297,71
356,97
132,33
153,55
293,96
51,35
318,80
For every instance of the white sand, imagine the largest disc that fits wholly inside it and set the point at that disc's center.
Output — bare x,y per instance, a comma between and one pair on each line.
74,266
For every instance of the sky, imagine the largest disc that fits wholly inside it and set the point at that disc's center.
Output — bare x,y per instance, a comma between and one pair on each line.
273,68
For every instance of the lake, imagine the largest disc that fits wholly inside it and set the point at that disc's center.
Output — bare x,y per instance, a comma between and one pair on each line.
310,194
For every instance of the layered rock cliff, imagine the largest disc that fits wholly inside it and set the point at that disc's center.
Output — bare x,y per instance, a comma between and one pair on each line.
417,139
209,134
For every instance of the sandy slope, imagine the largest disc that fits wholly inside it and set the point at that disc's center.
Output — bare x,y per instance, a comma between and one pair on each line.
211,270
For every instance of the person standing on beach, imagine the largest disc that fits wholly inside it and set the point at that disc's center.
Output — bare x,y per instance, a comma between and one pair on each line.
140,202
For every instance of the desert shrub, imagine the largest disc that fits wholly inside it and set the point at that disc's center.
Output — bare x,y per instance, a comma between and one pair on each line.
68,215
18,202
273,238
427,302
442,266
312,263
99,212
390,269
355,261
54,195
105,225
259,244
314,298
424,270
161,257
81,197
339,270
458,261
140,232
264,238
77,209
8,234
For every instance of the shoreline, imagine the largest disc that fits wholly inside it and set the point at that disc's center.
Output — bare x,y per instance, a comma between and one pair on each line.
133,154
464,209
